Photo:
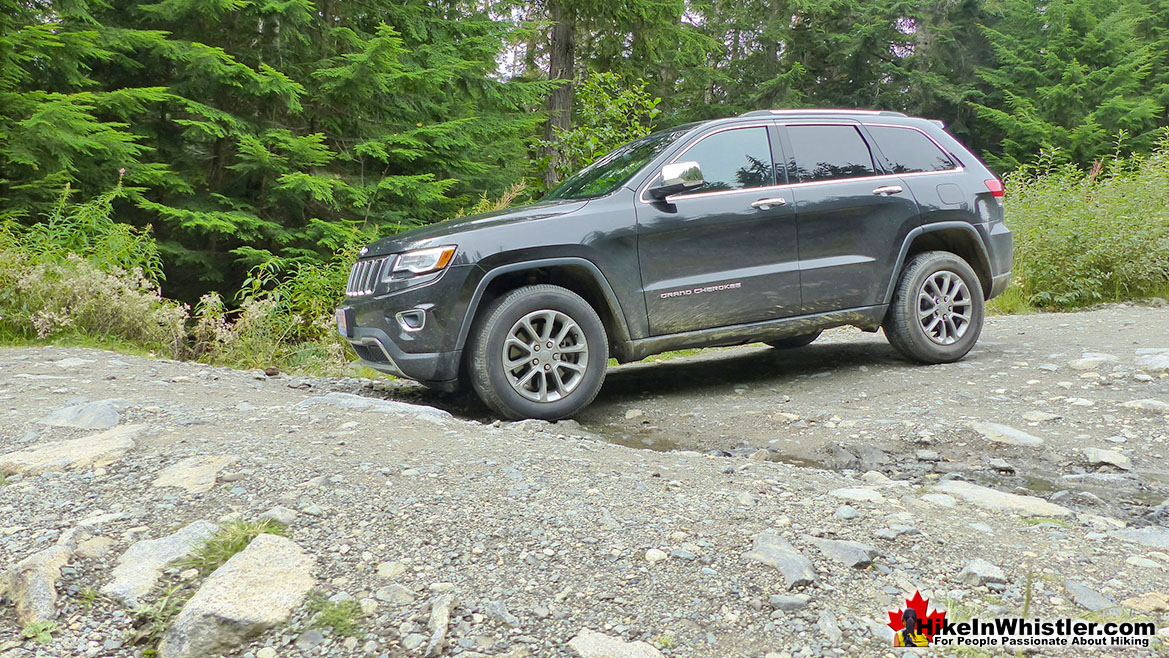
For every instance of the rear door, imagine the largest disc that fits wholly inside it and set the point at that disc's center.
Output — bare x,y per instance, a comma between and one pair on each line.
716,255
852,215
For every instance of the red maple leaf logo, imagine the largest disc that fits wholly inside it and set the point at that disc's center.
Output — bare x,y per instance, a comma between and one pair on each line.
931,622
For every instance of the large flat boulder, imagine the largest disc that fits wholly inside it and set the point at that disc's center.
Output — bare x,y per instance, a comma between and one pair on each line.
141,565
100,415
95,450
257,589
195,474
777,553
591,644
992,499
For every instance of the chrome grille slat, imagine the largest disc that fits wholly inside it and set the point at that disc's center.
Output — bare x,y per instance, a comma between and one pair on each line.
364,276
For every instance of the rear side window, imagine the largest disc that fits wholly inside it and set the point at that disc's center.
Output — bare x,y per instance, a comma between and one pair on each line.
829,153
732,160
909,151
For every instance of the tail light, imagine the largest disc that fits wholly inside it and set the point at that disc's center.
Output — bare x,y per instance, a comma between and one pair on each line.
996,187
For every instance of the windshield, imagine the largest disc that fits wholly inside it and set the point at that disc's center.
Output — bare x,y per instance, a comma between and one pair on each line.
613,170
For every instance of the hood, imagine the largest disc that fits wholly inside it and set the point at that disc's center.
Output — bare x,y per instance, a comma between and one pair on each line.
449,230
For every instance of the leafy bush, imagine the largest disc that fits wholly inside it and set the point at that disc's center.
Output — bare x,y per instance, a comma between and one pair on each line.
77,300
1083,238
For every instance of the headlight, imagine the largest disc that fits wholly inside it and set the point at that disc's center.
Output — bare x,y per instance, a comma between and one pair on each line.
424,261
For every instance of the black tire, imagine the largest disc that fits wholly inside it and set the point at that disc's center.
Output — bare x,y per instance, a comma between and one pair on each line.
491,379
794,341
907,322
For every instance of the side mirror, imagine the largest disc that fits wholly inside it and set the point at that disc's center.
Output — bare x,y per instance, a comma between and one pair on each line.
677,177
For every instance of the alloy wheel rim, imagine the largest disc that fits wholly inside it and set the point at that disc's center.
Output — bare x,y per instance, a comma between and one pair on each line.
944,307
545,356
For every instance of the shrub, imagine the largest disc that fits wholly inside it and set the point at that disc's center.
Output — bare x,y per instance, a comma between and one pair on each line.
75,299
1083,238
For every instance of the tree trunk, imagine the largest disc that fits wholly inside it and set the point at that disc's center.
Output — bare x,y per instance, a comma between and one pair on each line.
561,56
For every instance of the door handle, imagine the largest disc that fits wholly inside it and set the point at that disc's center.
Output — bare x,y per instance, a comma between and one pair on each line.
888,190
766,204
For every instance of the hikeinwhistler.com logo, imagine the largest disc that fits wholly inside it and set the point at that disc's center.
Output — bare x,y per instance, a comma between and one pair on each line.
920,624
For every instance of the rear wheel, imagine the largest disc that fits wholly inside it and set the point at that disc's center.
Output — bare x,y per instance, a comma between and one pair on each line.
794,341
937,310
538,352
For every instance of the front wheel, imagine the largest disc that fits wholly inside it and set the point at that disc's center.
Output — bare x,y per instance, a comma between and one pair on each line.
538,352
937,310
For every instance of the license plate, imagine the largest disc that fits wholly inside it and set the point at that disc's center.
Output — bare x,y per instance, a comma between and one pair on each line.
342,325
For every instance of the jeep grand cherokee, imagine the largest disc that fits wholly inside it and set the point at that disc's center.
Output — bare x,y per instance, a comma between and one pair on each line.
771,226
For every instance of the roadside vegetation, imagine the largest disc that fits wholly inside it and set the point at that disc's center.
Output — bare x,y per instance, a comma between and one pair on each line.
1084,237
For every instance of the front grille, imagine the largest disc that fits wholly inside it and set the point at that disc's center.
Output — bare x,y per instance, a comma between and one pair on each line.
364,276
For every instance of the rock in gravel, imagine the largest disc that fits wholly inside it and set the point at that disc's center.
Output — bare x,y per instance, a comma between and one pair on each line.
351,402
1092,361
939,499
788,601
1147,603
32,584
828,626
440,619
255,590
847,513
858,494
1086,597
655,555
991,499
1151,537
1153,360
776,552
497,610
394,594
1006,434
849,553
96,450
101,415
1098,456
390,570
980,572
1156,406
140,566
195,474
1040,416
279,514
590,644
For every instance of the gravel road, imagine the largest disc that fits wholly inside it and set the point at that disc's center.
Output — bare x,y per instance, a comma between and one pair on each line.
1043,453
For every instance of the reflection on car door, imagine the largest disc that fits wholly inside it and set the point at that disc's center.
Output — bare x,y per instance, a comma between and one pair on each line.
851,216
716,255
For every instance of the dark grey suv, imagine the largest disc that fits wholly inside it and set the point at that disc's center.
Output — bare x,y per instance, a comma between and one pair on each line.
771,227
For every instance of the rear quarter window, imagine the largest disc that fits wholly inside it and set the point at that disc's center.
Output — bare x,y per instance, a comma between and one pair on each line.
909,151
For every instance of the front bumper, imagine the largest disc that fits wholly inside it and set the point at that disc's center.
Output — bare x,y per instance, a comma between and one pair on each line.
409,333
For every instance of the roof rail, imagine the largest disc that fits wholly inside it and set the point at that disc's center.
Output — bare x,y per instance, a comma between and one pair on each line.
765,113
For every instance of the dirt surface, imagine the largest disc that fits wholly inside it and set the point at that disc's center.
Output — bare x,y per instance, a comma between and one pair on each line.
541,531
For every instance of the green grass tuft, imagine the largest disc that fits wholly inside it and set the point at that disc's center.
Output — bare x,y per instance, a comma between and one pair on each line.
343,617
40,632
232,538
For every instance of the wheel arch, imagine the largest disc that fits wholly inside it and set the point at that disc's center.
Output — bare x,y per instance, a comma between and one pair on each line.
579,275
959,238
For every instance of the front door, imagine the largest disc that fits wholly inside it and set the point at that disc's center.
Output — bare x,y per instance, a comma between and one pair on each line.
852,217
718,255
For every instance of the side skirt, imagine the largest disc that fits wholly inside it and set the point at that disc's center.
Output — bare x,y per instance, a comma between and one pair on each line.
868,318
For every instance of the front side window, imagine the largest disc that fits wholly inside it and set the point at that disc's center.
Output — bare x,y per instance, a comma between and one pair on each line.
736,159
829,153
909,151
613,170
